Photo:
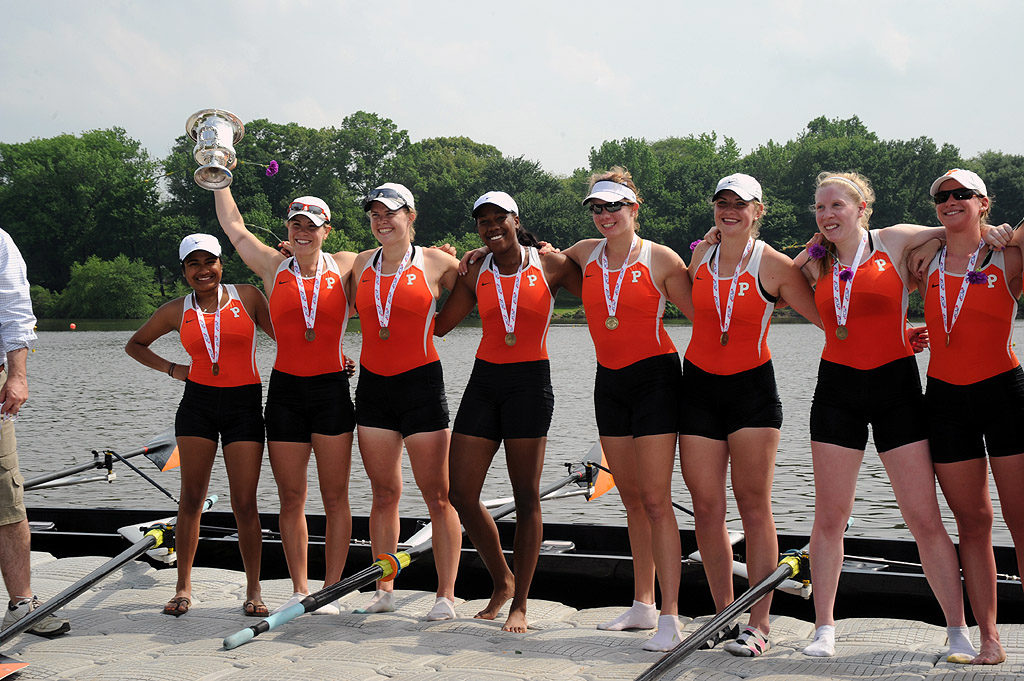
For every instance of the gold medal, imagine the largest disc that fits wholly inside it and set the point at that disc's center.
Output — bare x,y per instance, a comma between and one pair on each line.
510,339
611,323
310,335
947,340
724,340
216,368
384,333
842,333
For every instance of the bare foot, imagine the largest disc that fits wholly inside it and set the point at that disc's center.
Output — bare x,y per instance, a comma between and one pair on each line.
499,597
516,622
991,653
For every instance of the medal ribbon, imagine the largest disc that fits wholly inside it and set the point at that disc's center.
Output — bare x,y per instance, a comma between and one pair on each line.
308,311
508,317
213,349
384,311
724,323
843,311
948,326
613,302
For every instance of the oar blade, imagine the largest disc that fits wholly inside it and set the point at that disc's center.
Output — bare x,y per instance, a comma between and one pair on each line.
162,450
603,481
8,665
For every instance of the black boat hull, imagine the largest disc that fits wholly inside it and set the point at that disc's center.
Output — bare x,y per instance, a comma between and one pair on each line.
580,565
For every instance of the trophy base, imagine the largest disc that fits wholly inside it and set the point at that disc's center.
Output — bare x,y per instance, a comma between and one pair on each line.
213,177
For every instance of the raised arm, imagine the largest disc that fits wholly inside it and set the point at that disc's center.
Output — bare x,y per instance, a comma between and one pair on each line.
782,278
459,303
670,271
261,258
562,272
257,307
163,321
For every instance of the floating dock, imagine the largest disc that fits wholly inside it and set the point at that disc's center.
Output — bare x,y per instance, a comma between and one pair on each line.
119,633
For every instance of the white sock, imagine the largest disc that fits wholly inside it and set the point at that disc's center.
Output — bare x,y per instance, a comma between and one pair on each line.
824,644
444,609
382,601
961,650
328,609
668,637
639,616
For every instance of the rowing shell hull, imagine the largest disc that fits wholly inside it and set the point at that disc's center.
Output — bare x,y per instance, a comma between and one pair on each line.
580,565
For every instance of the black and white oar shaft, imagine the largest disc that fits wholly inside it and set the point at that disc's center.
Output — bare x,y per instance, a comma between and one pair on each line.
153,538
386,567
791,564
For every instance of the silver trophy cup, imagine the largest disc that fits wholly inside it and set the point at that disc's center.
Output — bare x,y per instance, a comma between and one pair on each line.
215,132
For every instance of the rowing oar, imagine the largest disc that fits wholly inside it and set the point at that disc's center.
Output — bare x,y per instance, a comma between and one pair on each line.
793,563
160,450
153,538
385,568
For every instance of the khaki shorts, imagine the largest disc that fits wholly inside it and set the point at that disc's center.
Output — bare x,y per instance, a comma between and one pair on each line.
12,503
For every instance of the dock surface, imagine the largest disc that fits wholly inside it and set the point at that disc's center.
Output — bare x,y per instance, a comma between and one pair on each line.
119,633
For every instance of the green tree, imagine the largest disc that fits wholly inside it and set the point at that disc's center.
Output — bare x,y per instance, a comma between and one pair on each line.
67,197
1004,178
120,288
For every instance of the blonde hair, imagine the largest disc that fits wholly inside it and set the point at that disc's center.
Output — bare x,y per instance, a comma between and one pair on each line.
616,174
858,190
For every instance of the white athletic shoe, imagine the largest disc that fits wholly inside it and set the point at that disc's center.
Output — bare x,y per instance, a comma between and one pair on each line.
48,627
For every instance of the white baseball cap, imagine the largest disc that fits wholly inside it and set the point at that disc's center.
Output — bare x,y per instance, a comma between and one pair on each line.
392,195
198,242
313,208
499,199
744,186
968,179
609,191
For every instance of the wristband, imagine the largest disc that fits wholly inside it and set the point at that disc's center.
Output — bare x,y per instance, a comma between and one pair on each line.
170,369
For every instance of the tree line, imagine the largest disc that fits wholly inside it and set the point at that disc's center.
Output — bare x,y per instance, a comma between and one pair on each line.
98,220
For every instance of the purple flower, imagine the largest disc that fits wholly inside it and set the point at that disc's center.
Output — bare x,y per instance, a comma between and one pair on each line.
976,277
272,169
846,274
694,244
816,251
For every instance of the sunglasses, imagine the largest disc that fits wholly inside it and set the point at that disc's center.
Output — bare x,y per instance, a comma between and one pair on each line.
597,209
384,193
958,194
295,206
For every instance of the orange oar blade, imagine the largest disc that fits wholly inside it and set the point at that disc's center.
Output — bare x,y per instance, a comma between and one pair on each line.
172,461
603,482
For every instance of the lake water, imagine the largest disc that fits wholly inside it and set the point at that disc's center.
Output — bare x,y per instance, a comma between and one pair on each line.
86,394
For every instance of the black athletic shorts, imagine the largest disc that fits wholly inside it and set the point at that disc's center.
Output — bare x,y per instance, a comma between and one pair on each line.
298,406
230,414
965,420
715,405
888,397
639,399
512,400
410,402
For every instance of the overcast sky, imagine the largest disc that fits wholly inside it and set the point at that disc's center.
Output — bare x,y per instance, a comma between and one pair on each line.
544,80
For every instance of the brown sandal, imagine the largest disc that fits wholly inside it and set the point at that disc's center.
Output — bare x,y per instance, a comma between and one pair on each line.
178,606
255,609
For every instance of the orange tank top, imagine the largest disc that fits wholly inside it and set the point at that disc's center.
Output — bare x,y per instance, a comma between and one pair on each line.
410,342
980,340
236,360
877,315
748,329
295,354
640,333
533,312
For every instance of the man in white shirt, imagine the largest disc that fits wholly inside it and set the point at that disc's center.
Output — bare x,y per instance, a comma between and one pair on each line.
17,333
